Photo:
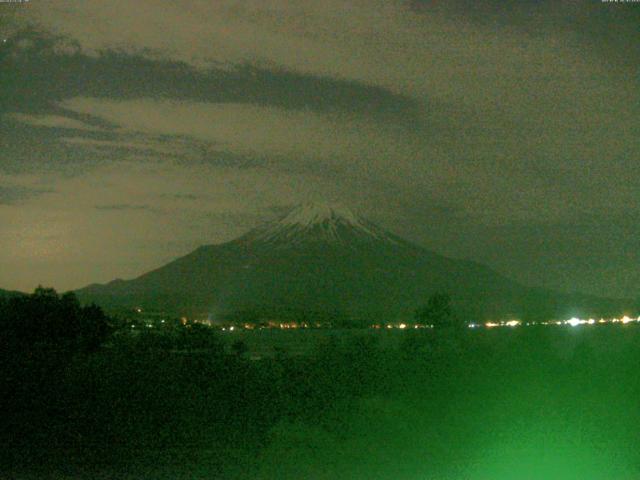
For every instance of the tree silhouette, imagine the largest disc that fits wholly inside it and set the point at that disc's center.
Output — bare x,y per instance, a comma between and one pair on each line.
45,318
438,312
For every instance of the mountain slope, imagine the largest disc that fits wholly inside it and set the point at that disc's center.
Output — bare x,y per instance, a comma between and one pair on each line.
319,258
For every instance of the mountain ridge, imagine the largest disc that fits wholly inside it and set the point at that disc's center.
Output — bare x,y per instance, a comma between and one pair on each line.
327,258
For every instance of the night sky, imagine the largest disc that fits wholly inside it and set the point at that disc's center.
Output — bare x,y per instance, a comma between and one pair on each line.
507,132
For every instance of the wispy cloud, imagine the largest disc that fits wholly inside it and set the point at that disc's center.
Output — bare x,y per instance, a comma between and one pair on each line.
124,143
124,206
16,190
12,194
182,196
51,121
272,133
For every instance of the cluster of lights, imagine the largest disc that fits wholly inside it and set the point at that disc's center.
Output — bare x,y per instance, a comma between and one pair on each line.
507,323
270,325
401,326
573,322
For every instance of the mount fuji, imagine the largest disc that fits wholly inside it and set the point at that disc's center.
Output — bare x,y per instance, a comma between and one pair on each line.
326,260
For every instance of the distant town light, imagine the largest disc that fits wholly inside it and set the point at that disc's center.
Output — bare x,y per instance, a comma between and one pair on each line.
512,323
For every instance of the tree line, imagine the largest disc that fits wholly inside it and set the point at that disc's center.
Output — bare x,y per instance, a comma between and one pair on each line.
45,318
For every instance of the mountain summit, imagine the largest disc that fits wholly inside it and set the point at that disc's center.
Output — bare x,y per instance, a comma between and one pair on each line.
308,214
317,222
321,258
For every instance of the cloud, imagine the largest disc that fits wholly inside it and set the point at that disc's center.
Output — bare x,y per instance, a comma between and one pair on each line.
501,117
491,172
150,146
10,195
51,121
124,74
123,206
376,42
267,132
183,196
17,189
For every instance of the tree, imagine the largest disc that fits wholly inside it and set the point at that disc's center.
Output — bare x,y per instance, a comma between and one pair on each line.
45,318
94,326
199,337
438,312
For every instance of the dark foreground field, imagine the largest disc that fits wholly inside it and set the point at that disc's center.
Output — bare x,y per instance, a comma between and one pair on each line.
524,403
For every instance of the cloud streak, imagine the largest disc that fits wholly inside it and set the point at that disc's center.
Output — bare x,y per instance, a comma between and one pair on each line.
51,121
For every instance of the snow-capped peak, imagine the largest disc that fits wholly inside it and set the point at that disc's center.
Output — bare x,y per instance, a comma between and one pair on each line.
309,214
312,222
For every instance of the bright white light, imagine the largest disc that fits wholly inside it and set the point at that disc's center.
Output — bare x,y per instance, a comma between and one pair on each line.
512,323
491,324
626,320
231,329
574,322
402,326
591,321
